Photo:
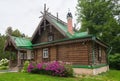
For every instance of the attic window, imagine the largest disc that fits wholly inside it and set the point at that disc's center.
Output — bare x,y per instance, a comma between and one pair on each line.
50,37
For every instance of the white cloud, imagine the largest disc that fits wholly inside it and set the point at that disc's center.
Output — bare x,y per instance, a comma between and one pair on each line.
23,14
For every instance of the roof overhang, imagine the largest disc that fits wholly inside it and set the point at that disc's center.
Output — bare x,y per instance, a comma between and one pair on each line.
70,40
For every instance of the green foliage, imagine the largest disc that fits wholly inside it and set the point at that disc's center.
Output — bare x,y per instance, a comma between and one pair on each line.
3,67
69,69
4,64
114,61
25,67
101,18
3,54
16,33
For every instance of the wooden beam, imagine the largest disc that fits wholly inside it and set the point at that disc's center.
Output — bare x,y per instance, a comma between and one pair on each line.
44,24
19,59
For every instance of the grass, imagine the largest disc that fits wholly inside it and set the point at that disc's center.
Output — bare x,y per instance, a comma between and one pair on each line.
112,75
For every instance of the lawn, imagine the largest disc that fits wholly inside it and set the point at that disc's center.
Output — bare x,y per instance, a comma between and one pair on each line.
112,75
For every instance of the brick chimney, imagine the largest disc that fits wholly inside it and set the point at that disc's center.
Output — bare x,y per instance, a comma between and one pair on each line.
69,22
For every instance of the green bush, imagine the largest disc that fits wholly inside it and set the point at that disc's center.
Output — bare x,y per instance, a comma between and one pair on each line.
3,67
39,71
25,67
69,70
4,64
114,61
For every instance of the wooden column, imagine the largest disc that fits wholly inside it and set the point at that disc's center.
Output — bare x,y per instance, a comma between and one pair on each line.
19,60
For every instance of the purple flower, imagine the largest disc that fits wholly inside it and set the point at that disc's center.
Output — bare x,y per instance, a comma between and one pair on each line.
40,66
30,67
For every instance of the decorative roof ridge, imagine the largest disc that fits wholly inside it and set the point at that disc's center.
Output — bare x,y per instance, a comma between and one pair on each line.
57,19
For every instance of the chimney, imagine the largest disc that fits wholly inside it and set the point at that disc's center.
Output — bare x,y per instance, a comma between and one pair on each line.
69,22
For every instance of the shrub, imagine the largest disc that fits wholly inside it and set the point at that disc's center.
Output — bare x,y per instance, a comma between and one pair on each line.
30,67
54,68
114,61
25,66
3,67
4,62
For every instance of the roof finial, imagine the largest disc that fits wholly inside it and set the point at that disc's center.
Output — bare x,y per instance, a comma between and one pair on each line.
45,8
57,16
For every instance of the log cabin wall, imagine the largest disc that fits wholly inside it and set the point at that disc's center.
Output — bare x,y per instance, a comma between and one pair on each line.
90,51
76,53
38,55
80,53
100,55
53,53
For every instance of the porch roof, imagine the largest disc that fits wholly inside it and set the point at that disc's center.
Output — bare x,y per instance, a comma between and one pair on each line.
22,42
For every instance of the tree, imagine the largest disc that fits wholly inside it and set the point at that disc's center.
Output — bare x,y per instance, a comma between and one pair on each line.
2,43
100,18
9,31
16,33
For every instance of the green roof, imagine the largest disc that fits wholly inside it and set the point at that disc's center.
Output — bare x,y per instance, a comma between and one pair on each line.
63,27
22,42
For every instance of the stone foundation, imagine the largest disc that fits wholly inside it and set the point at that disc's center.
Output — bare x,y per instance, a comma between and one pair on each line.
86,71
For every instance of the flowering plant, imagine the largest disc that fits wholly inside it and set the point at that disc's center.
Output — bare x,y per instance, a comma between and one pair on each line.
4,62
30,67
55,68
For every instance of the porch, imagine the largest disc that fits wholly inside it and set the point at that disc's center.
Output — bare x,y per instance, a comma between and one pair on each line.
20,50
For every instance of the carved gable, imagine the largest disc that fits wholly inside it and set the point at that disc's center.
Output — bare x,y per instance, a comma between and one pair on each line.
47,33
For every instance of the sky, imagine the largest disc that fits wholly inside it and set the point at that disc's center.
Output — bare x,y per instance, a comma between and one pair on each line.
24,14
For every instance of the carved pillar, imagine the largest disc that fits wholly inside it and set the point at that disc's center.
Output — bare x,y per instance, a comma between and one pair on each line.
19,60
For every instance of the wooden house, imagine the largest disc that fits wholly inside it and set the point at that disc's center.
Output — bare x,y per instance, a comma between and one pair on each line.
55,40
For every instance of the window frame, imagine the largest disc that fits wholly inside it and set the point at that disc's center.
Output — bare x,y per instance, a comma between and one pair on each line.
45,53
50,37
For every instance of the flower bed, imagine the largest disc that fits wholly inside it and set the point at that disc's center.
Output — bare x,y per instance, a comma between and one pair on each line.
54,68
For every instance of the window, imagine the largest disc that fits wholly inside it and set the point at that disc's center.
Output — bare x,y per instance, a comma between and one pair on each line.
45,53
50,38
25,56
99,53
32,55
22,55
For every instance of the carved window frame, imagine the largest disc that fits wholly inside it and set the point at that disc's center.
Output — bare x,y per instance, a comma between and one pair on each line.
45,53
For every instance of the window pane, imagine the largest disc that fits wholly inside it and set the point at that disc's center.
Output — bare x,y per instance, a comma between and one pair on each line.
45,53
